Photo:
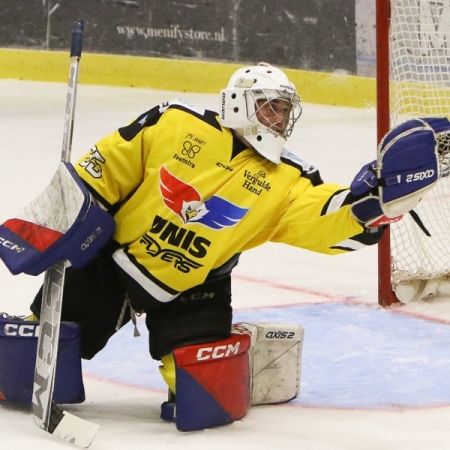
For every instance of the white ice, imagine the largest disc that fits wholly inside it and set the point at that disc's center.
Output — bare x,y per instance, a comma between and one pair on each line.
372,378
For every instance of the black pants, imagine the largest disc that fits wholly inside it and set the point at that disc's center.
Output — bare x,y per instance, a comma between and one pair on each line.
95,294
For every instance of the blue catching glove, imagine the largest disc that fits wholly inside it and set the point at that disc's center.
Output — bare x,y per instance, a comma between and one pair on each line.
60,224
406,168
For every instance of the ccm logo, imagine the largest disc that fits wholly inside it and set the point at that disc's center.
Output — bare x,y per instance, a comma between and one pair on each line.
26,330
280,335
419,176
221,351
8,244
224,166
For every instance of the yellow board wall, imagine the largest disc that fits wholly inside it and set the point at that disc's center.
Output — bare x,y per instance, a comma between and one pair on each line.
177,75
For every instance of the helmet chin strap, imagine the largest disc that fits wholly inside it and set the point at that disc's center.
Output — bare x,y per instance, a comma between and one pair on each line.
260,150
247,131
241,138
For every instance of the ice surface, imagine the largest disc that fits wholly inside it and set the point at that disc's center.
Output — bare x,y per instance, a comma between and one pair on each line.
372,378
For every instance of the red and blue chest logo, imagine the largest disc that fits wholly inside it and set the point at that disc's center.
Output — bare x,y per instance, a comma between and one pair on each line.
184,200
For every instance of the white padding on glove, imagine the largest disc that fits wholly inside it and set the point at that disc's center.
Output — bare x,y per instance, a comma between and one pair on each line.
60,224
407,166
59,205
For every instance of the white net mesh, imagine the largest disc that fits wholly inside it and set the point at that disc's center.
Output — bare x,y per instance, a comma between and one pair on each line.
420,87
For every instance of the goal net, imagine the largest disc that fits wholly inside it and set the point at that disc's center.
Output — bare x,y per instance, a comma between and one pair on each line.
419,86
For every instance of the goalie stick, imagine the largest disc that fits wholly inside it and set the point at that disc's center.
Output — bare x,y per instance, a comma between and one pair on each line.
44,411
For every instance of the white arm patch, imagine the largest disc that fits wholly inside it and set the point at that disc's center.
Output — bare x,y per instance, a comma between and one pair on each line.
337,201
184,104
351,244
305,166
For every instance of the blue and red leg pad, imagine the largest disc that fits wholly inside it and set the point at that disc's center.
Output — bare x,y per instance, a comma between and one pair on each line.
212,383
18,346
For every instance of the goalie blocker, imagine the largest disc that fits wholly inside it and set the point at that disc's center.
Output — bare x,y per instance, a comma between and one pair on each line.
216,383
60,224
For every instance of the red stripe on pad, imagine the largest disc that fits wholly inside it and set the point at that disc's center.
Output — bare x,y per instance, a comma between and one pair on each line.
222,369
38,236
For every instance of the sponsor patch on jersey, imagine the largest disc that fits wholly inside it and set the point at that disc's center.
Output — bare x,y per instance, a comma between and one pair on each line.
186,202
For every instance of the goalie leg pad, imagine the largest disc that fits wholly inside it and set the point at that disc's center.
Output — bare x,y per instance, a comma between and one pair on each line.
212,383
59,224
275,361
18,346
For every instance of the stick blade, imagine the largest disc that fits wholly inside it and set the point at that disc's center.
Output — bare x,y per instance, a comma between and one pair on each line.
69,428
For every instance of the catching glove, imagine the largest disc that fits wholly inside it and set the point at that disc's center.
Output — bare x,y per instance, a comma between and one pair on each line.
407,166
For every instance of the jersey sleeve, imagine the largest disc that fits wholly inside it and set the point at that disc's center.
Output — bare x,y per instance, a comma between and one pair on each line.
319,218
115,166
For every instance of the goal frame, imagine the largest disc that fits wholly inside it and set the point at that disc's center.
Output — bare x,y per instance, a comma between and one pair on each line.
413,80
386,295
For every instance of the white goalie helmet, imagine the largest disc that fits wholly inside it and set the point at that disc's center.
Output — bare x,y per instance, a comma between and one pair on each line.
262,106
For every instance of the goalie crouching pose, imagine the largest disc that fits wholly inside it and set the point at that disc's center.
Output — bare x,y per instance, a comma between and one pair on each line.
189,190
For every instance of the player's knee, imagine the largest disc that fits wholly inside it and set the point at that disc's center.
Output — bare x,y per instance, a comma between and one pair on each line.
216,382
212,383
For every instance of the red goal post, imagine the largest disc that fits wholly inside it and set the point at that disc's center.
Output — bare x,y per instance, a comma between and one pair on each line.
413,80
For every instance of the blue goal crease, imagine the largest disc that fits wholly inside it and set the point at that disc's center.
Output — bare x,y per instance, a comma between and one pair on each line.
354,356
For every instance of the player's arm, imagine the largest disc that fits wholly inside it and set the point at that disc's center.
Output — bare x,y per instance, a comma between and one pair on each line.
331,219
114,167
317,218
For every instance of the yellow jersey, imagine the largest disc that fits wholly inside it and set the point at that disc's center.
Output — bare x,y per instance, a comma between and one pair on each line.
187,197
